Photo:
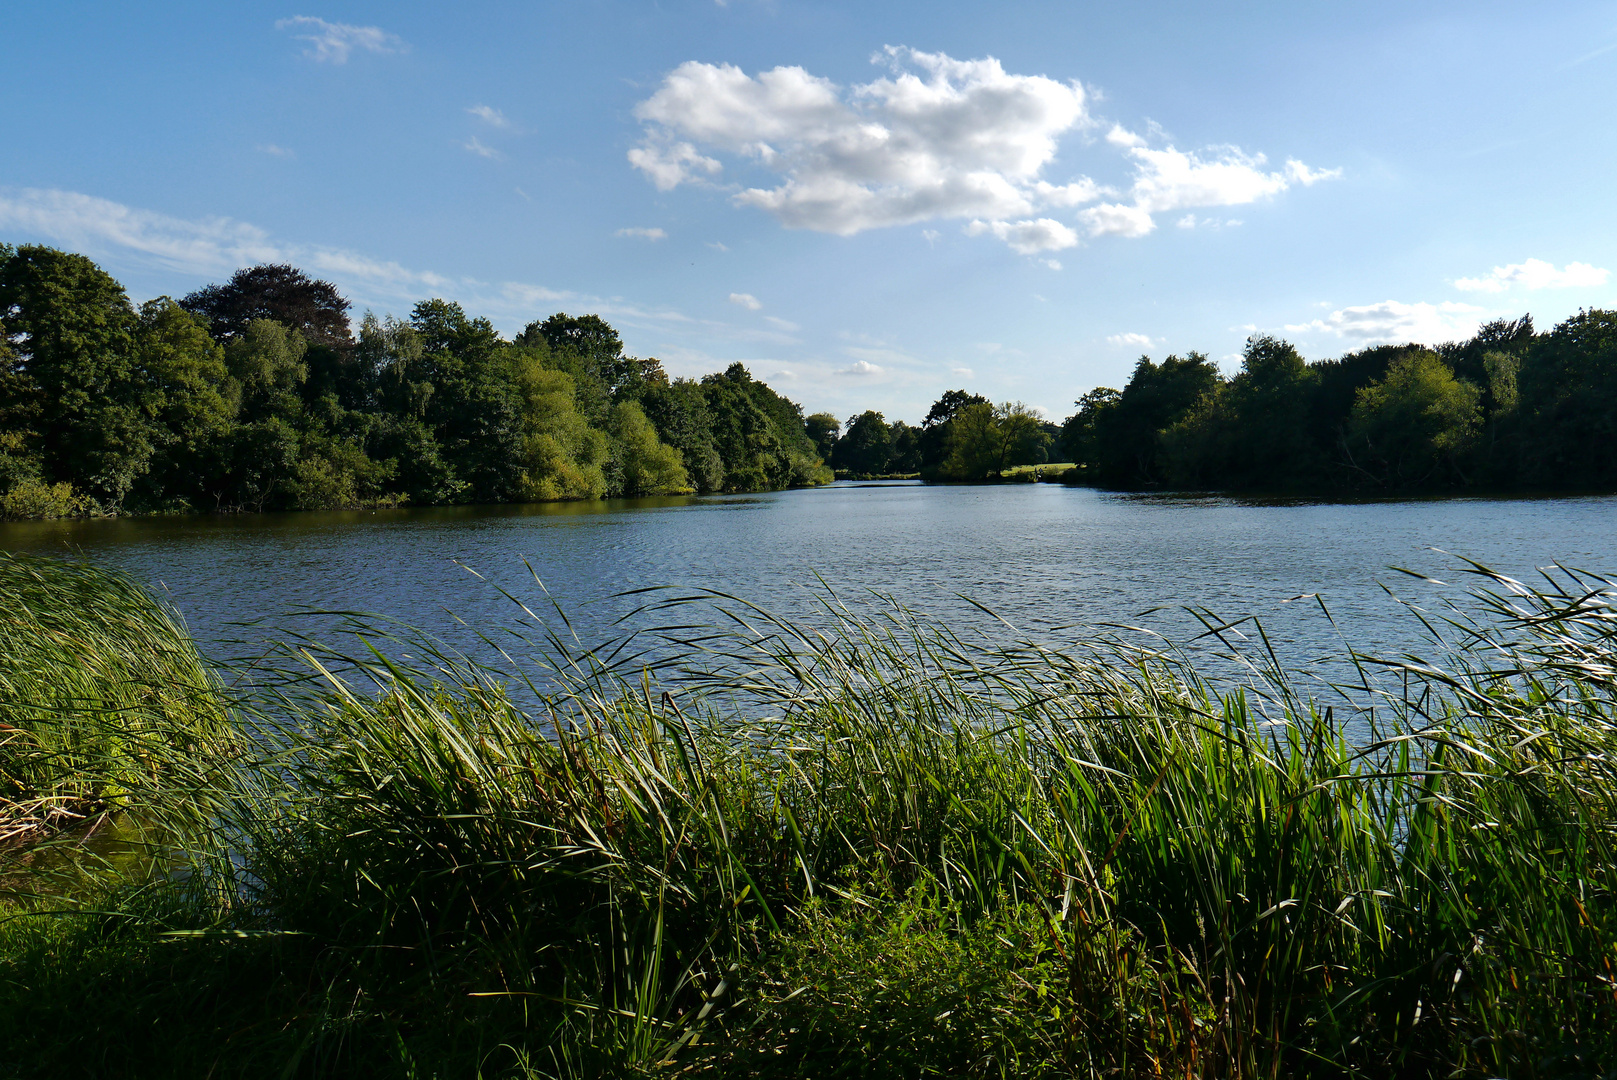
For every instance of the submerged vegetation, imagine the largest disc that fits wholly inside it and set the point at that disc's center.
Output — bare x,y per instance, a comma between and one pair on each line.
868,846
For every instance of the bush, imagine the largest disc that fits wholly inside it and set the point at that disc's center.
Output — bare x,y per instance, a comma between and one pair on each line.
37,499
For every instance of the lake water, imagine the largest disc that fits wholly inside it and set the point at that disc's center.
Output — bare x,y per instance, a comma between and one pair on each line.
1050,560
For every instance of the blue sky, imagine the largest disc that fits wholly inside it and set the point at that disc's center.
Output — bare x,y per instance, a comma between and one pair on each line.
866,204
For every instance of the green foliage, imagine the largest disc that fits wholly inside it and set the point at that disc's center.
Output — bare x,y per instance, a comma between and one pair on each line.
104,701
647,465
869,849
1504,409
986,440
1417,421
39,500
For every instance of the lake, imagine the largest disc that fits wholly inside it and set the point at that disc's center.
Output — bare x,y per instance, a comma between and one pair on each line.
1055,562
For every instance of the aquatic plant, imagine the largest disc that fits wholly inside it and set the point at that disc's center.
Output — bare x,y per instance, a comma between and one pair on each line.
872,845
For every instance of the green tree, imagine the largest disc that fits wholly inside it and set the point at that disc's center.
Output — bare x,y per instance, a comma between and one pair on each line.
648,465
823,429
985,440
1413,427
560,456
71,327
184,390
679,411
1080,433
866,447
1270,440
1566,388
1158,396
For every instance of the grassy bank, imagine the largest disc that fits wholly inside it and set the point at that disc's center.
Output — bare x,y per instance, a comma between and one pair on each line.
875,848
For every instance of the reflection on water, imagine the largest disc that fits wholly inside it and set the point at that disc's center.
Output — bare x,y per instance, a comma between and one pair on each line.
1044,557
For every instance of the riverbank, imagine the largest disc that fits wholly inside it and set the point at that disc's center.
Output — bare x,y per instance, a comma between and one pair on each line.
877,847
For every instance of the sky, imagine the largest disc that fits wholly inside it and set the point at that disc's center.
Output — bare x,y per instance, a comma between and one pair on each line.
866,204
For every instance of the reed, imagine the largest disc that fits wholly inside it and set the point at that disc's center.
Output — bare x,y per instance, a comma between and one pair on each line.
105,703
871,845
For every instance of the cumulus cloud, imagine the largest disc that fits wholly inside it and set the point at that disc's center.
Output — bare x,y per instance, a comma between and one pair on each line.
490,115
653,234
333,42
1535,274
1141,341
473,145
861,369
1393,322
1169,179
672,164
1028,237
746,300
936,138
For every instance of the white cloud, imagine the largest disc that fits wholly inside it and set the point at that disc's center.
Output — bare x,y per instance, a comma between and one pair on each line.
1396,323
789,327
861,369
1040,411
476,147
1028,237
963,372
1535,274
91,223
1141,341
275,151
717,246
333,42
931,236
1115,219
104,229
671,164
490,115
653,234
1169,179
746,300
938,138
1054,264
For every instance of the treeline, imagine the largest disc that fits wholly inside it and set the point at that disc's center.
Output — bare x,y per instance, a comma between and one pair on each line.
964,437
256,395
1509,409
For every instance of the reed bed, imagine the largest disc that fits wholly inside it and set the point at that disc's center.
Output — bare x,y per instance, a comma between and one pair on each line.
731,844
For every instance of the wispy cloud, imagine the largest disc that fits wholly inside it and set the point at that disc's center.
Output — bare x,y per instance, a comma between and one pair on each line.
211,246
789,327
1535,274
274,151
717,245
746,300
475,146
652,234
332,43
489,115
1139,341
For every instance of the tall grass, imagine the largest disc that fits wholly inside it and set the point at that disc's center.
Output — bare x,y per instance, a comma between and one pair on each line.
872,846
104,700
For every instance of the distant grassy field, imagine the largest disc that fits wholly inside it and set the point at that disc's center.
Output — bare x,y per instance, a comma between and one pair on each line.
877,847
